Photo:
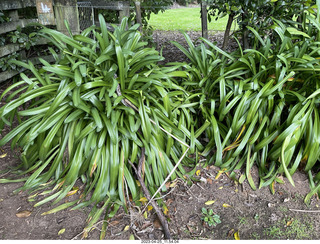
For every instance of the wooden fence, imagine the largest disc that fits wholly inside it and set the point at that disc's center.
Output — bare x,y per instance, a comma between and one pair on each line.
49,12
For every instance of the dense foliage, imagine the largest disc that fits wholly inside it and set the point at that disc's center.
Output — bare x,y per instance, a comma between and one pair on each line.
25,37
90,114
262,103
259,14
106,104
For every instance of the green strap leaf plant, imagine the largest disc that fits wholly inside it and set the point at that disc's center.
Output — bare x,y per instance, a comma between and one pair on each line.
88,114
262,103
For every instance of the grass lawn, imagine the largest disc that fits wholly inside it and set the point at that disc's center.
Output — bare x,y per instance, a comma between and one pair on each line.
184,19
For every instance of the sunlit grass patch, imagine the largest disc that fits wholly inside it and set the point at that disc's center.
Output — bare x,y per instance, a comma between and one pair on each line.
184,19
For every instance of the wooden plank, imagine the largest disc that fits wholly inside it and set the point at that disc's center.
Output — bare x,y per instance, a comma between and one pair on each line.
11,26
7,49
11,48
125,12
116,5
8,75
45,12
67,10
48,58
13,15
16,4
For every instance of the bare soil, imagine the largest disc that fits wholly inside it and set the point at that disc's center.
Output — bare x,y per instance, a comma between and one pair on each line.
243,211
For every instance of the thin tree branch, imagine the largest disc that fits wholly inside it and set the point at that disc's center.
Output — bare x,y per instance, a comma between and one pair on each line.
305,211
145,191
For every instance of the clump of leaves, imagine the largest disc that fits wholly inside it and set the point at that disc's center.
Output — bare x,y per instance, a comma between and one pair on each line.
3,17
87,118
5,64
262,104
209,217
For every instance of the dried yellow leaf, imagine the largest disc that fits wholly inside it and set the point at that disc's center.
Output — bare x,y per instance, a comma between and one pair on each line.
126,228
145,215
3,155
289,222
94,166
220,173
273,191
210,202
225,205
149,208
61,232
220,187
237,236
23,214
165,210
143,200
173,184
242,178
198,172
74,191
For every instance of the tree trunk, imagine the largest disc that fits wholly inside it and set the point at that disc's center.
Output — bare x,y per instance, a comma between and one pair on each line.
204,19
245,33
227,32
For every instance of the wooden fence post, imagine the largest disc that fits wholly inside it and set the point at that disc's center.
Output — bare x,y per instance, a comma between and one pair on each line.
125,12
204,19
67,10
138,13
45,12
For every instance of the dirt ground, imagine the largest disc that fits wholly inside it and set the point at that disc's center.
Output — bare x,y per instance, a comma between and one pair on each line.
244,213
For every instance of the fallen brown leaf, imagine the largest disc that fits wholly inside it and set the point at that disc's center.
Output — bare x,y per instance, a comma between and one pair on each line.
169,201
168,185
156,223
113,223
23,214
231,232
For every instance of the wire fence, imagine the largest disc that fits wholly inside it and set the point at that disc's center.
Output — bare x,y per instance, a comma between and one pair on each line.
86,15
87,9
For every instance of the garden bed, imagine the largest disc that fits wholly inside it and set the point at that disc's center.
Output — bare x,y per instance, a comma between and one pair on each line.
251,214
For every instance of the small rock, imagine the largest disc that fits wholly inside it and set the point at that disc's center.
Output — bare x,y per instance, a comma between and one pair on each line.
271,205
274,217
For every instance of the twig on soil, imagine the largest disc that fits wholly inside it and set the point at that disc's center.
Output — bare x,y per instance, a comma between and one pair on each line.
305,211
158,198
5,174
159,213
200,186
93,227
